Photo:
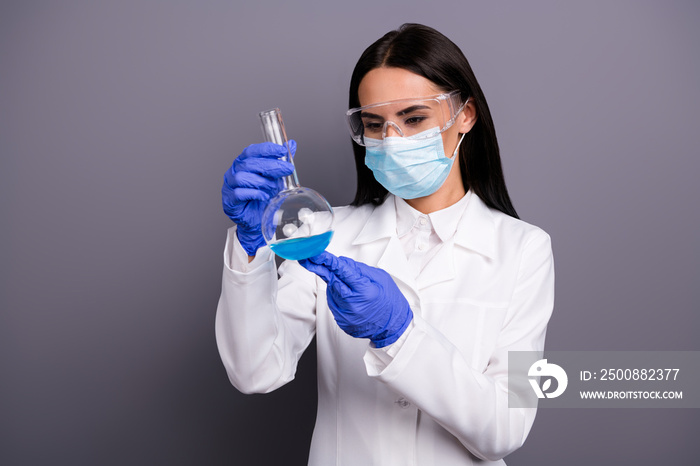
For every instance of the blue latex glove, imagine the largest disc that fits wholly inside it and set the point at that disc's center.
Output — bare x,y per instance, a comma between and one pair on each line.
364,300
252,180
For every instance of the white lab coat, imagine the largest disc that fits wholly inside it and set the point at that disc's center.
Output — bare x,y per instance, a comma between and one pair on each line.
443,398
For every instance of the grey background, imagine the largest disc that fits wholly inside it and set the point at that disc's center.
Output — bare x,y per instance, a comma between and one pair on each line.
118,120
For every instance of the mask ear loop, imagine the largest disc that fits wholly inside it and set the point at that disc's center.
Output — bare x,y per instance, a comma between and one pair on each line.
457,148
463,134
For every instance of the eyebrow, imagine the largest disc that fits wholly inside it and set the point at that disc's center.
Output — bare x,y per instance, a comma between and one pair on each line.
406,110
370,115
412,108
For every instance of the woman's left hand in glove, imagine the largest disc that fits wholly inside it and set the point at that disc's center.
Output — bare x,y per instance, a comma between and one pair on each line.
364,300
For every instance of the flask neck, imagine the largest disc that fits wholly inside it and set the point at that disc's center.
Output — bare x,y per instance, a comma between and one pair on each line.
290,181
274,131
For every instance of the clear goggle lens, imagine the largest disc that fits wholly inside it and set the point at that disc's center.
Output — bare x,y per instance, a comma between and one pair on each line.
409,118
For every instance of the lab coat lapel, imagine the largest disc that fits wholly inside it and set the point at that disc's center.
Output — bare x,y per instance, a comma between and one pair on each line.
440,268
394,261
380,230
477,229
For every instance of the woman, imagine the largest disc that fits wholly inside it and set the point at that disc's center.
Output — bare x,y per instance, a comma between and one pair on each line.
429,282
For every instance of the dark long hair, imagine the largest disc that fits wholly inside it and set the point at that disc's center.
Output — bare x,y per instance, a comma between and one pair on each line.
426,52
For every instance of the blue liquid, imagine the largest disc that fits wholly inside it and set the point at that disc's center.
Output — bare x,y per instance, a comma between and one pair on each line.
302,248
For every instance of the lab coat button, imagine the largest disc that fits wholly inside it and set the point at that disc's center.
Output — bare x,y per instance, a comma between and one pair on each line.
403,403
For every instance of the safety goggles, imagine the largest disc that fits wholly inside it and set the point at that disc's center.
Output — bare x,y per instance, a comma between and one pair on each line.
410,118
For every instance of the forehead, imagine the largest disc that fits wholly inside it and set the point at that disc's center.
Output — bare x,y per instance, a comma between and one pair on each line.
384,84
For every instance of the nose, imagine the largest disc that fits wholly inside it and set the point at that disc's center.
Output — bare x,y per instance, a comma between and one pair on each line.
391,129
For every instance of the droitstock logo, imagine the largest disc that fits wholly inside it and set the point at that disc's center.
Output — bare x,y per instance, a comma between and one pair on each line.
547,372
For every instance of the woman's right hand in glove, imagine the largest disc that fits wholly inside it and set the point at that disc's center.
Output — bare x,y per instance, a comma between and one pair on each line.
252,180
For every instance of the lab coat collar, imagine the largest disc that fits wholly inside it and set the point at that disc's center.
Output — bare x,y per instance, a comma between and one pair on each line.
446,221
476,229
380,224
407,217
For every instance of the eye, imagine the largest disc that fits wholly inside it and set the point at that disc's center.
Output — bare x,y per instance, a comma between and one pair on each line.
372,126
415,120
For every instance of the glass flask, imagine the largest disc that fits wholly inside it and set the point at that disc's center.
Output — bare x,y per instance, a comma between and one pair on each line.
298,222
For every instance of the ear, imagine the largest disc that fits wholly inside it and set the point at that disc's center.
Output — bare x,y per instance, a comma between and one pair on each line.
466,118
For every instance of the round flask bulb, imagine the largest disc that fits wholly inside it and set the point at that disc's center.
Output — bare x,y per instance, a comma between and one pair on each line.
298,223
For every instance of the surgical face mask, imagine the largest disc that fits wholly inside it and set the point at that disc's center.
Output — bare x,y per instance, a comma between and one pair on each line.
410,168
